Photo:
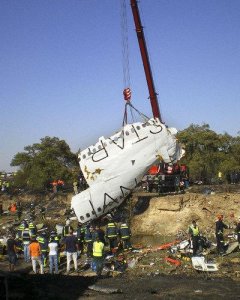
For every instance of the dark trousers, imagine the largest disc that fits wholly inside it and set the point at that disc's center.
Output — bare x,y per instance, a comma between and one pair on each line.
126,244
89,249
195,244
80,245
220,243
44,258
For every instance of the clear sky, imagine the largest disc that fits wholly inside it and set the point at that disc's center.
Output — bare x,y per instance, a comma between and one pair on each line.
61,70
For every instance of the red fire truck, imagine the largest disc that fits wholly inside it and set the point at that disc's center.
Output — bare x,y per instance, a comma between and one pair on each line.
167,178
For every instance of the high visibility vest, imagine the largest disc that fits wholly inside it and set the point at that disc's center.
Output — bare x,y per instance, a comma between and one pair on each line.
21,227
111,230
31,226
66,230
195,231
32,229
26,236
80,233
125,231
88,236
43,243
98,249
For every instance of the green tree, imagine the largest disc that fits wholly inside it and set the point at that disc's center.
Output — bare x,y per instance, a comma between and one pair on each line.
43,162
207,152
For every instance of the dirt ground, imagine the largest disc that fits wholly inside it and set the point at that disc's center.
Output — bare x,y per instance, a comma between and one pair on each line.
149,275
124,287
144,281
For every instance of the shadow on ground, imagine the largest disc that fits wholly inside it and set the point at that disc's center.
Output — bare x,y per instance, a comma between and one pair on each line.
25,286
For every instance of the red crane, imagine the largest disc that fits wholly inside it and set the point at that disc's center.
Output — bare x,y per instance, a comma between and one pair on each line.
145,60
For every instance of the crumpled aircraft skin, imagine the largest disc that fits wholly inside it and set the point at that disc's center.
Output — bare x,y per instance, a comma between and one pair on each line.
114,166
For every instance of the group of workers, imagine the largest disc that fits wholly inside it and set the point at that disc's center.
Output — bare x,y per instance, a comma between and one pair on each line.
117,237
40,246
36,247
195,236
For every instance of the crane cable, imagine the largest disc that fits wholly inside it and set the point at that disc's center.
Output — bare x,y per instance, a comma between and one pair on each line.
125,49
125,62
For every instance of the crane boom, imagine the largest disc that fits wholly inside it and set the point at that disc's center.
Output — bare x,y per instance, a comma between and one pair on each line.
145,60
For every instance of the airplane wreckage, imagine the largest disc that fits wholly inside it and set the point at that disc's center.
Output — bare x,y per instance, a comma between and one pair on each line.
114,166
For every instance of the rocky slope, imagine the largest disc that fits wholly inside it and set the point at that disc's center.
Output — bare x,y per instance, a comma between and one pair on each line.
167,215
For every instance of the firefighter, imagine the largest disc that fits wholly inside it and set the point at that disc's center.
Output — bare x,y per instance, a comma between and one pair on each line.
42,239
88,239
67,228
125,234
21,228
32,229
80,236
194,236
112,235
220,226
100,233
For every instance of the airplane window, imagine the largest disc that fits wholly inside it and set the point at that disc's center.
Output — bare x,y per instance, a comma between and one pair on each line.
93,212
94,150
88,215
138,128
82,218
143,125
105,144
99,147
99,209
127,133
84,156
132,129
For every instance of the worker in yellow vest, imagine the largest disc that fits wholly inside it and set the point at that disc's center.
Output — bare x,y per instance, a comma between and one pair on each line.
98,256
194,236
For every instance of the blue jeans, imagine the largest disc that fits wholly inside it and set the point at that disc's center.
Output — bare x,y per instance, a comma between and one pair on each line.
26,252
98,265
53,260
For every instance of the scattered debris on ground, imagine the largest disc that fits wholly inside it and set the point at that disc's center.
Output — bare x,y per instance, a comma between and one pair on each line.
161,250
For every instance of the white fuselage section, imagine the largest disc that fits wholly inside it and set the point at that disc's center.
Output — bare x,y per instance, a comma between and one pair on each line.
115,165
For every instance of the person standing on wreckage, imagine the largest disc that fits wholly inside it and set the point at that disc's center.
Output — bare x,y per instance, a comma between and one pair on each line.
71,247
220,226
194,235
98,255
